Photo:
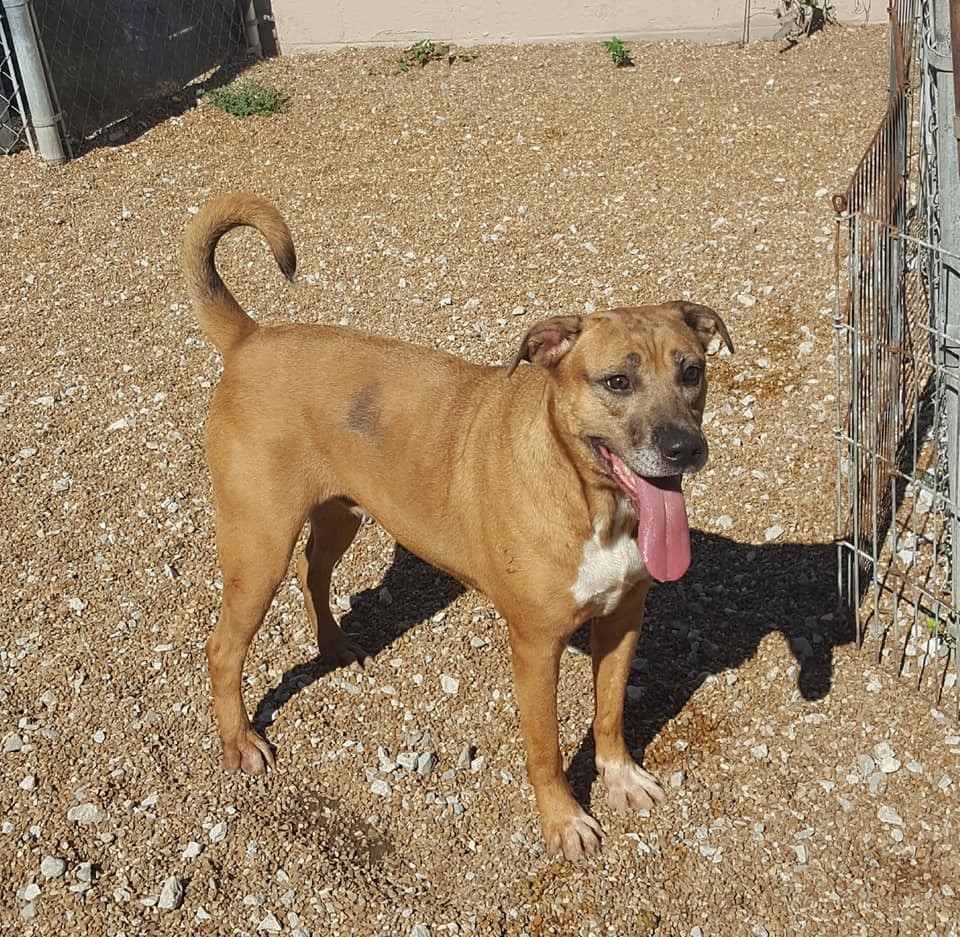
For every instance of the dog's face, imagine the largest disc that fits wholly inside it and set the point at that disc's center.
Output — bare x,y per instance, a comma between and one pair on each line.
632,383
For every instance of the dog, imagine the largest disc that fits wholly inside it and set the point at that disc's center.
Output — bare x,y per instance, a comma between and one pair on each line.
551,484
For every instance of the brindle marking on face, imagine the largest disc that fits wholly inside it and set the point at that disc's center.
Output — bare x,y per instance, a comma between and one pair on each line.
363,412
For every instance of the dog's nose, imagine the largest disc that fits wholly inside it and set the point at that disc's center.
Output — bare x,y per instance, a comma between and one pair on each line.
680,447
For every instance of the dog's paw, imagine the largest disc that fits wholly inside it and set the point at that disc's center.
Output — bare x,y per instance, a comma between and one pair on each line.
343,652
576,837
251,754
629,787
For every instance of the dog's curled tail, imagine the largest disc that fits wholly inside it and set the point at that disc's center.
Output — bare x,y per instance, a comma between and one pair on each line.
222,319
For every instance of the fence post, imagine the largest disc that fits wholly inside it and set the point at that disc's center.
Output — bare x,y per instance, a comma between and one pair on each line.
948,174
26,45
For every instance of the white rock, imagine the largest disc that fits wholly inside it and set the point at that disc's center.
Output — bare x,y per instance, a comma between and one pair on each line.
171,895
28,783
269,925
85,813
426,763
449,684
882,750
30,892
13,743
380,788
889,764
773,533
889,815
724,522
191,850
218,832
407,761
420,930
52,867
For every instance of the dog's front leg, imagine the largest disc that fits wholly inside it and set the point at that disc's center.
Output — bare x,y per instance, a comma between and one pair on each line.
567,827
613,641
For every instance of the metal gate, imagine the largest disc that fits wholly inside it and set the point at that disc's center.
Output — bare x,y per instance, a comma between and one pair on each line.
898,365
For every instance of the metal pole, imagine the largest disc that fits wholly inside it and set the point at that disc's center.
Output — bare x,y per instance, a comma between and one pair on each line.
955,46
948,174
252,27
26,46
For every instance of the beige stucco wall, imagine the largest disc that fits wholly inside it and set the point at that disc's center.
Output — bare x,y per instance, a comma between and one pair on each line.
304,25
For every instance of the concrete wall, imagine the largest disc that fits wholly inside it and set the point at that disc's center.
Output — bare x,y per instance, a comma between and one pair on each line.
305,25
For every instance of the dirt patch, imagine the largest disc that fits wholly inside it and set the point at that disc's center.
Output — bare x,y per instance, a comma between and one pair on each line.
808,791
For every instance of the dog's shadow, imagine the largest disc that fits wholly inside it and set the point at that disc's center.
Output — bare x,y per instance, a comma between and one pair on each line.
710,622
410,592
713,621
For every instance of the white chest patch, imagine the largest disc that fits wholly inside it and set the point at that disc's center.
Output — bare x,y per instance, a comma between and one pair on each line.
609,571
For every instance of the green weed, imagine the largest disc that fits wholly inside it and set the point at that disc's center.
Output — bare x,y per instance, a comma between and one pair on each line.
248,99
618,52
423,52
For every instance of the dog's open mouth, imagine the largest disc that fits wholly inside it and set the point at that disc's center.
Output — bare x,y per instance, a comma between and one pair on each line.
663,533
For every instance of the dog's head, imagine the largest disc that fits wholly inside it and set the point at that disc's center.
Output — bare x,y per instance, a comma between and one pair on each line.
631,383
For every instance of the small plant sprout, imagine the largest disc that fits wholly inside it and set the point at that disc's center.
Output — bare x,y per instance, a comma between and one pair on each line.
618,52
425,51
248,99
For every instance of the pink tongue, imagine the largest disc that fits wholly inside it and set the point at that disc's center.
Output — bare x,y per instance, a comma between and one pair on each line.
663,534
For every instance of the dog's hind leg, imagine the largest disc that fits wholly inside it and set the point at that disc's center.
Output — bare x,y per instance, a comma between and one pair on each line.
333,526
255,539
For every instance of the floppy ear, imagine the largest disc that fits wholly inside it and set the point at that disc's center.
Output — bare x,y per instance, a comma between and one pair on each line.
705,323
547,342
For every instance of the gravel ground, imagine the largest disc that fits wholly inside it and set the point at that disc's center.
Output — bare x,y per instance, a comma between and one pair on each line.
808,790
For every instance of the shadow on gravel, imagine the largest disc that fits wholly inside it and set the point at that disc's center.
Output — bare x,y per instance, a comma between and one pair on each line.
410,592
713,620
709,622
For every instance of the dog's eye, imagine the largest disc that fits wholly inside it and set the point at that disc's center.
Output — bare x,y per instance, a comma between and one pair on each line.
618,383
691,375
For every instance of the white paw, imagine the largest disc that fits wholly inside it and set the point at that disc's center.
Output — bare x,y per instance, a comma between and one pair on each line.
577,837
629,787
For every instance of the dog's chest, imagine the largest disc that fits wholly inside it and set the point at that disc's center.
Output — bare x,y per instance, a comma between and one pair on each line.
609,570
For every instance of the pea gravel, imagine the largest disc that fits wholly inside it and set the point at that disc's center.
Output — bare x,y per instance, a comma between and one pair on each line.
809,791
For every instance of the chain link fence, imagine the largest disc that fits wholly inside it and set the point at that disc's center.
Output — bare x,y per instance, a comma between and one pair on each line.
898,367
14,132
105,62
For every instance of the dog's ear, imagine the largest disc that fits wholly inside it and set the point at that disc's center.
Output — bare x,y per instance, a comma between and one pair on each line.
547,342
705,324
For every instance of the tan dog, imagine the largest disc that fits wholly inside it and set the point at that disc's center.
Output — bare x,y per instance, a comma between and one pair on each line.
553,487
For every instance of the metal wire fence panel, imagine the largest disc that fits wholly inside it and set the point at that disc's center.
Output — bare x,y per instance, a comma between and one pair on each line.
14,131
897,511
108,58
